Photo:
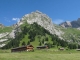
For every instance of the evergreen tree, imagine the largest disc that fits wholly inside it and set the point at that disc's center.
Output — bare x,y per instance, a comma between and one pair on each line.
28,43
40,43
43,41
46,39
23,43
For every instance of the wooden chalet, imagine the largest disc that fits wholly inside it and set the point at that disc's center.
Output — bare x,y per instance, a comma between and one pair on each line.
61,48
77,49
42,47
23,48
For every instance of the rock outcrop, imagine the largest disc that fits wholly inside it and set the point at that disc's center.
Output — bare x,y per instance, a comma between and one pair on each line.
41,19
1,25
66,24
73,24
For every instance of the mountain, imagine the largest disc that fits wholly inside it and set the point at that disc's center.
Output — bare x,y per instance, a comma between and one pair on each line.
66,24
71,31
35,35
4,34
42,20
73,24
37,29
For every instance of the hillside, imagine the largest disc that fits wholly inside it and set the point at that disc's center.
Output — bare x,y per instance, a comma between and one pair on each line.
41,19
71,31
4,35
37,29
36,35
71,35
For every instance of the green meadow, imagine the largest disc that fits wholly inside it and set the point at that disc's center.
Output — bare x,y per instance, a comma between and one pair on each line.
49,54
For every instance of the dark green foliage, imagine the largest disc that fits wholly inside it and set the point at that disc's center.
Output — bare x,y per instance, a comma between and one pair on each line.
28,43
46,39
49,45
78,46
34,30
43,41
25,30
40,43
14,42
23,43
32,39
72,46
54,42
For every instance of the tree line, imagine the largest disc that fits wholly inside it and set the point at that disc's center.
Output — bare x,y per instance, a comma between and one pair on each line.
34,30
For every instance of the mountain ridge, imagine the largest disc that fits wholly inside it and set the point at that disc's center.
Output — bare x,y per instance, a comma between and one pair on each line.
43,20
73,24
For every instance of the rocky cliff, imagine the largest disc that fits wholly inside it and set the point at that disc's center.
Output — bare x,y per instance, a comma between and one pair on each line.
42,20
73,24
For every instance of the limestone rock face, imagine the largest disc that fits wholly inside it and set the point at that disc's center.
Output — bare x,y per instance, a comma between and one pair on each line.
66,24
42,20
12,34
3,38
73,24
76,24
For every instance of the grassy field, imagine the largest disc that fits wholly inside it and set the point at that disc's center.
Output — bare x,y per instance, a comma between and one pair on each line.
41,55
5,29
70,33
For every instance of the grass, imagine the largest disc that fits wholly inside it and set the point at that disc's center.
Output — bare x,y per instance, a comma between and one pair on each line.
36,42
25,39
71,33
5,29
51,54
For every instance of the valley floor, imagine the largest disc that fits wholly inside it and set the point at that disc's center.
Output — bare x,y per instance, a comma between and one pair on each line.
41,55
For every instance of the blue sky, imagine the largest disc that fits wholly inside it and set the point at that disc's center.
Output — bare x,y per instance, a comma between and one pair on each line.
58,10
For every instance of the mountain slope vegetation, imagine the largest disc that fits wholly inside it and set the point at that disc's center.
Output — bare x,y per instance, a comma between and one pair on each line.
4,35
36,35
38,29
5,29
71,35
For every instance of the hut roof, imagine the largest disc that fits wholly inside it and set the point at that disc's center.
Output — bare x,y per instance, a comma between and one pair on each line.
23,46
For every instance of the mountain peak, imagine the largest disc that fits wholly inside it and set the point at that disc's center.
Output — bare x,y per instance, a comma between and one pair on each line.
37,11
42,20
78,20
66,24
73,24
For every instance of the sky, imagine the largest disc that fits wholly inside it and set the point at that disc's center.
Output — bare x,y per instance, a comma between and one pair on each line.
58,10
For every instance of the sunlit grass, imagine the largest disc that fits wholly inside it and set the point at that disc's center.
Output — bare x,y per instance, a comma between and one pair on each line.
50,54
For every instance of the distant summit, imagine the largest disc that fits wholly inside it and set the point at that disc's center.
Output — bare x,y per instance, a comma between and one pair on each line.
37,11
73,24
66,24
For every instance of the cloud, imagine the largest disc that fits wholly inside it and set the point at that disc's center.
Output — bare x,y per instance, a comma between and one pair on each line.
16,19
58,21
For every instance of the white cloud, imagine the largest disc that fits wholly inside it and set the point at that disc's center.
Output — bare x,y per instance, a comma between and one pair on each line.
58,21
15,19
